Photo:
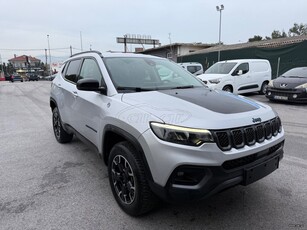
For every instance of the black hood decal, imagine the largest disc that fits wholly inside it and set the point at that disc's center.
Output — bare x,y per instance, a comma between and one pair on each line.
217,101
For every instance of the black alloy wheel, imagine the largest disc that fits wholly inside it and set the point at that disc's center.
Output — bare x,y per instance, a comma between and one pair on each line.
60,134
123,179
128,180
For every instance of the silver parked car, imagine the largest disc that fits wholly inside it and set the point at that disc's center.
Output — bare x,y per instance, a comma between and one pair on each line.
162,138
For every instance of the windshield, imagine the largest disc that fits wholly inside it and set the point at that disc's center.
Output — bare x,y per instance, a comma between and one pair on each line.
296,72
146,73
221,68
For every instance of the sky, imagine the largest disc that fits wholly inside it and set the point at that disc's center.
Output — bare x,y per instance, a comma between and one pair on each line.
25,24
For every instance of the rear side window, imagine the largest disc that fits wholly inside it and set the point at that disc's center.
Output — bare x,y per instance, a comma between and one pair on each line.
72,70
194,68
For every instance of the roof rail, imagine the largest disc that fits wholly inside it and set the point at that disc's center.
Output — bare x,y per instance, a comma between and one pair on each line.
90,51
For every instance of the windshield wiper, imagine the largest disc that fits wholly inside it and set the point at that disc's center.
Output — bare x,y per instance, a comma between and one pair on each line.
136,89
184,87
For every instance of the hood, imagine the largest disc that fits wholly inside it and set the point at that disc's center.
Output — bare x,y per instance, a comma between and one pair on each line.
210,76
199,107
289,82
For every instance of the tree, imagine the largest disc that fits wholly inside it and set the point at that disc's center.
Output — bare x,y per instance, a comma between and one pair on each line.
10,68
298,30
255,38
277,34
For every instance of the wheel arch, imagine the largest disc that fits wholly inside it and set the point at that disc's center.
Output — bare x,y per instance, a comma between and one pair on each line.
52,104
113,135
228,85
263,86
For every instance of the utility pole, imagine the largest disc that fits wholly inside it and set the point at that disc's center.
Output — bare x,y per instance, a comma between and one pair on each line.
125,43
220,8
81,41
70,51
170,45
46,63
1,63
50,68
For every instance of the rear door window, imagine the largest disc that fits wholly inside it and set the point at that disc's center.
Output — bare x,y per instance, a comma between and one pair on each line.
73,70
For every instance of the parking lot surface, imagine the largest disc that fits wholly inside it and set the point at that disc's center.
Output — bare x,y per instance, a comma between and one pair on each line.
47,185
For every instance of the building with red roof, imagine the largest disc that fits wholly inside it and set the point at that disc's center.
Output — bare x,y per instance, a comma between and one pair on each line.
26,64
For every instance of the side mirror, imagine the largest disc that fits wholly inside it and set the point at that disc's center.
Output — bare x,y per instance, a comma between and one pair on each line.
90,84
237,73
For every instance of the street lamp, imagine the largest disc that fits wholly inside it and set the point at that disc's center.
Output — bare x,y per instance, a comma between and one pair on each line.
50,68
220,8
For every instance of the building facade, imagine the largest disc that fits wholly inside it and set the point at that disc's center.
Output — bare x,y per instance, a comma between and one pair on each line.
173,51
26,64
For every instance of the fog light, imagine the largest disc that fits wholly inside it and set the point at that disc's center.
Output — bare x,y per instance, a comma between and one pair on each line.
269,93
294,96
188,175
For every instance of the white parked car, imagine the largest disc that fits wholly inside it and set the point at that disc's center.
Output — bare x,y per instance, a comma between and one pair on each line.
239,76
194,68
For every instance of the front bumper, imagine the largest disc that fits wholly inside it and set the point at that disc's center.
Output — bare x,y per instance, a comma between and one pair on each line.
290,95
188,182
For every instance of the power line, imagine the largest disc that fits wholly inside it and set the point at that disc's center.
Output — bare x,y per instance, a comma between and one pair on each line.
34,49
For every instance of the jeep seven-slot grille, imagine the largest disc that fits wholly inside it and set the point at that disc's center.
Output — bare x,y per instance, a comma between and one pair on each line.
248,135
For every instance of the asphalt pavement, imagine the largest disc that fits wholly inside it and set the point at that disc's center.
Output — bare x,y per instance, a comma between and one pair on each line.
47,185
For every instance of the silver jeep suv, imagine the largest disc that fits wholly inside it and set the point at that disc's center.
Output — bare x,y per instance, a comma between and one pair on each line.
161,132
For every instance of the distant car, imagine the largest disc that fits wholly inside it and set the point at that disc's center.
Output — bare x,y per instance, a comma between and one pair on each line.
194,68
238,76
7,77
33,77
16,77
290,86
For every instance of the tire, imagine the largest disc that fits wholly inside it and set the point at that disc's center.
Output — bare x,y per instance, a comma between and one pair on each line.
263,88
60,134
128,181
227,88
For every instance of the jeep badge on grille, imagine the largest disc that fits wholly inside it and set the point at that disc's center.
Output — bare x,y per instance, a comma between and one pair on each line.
258,119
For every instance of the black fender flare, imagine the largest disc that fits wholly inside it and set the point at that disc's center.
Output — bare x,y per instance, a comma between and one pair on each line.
125,137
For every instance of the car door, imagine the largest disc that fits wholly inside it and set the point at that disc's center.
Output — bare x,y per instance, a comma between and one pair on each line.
89,110
68,90
242,78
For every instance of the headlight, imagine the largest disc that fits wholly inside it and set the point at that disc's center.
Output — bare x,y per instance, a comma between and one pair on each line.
271,83
303,86
181,135
215,81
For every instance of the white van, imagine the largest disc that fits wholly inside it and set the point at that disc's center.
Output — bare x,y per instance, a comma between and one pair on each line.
239,76
194,68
